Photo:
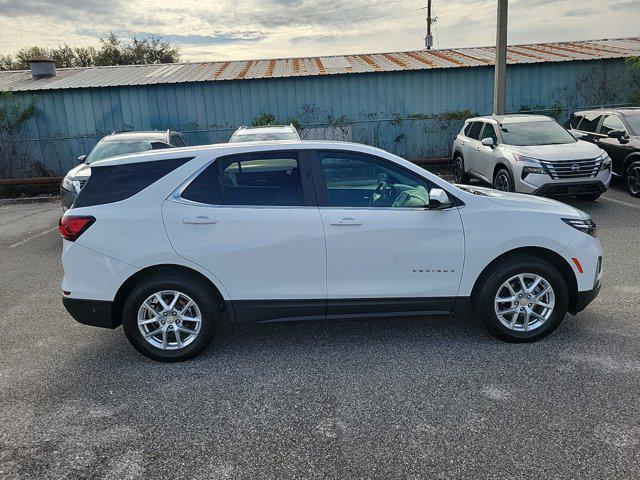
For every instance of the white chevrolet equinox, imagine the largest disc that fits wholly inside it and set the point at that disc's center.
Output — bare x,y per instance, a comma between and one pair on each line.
171,243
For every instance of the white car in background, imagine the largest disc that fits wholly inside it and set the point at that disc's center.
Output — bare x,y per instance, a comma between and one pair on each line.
266,133
167,242
529,154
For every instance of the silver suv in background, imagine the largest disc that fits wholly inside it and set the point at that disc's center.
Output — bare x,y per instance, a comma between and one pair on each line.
118,143
266,133
530,154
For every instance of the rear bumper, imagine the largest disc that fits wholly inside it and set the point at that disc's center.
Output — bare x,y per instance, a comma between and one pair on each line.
571,188
585,298
97,313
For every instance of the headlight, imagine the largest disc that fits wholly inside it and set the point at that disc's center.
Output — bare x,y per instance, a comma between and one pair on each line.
527,170
67,184
587,226
606,162
522,158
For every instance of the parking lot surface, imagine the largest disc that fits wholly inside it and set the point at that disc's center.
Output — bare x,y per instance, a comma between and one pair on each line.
422,397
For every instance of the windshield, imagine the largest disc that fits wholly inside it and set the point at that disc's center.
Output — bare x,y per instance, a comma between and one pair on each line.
112,148
535,133
634,123
260,137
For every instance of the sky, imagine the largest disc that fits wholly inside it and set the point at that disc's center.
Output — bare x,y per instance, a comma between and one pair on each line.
249,29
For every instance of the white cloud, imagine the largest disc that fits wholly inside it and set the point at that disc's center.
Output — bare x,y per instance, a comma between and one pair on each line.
228,29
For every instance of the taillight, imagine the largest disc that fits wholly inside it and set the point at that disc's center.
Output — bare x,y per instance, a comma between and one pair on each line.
71,227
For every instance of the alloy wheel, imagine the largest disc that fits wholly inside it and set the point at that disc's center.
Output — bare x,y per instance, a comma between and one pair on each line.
524,302
503,183
457,171
169,320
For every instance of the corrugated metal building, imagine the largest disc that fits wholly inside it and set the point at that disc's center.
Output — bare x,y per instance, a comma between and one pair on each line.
407,102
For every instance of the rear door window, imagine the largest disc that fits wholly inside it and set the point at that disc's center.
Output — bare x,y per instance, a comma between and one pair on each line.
589,123
474,131
272,179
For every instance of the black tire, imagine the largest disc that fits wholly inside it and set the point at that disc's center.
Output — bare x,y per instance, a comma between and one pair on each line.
592,197
190,286
503,181
503,271
632,179
459,173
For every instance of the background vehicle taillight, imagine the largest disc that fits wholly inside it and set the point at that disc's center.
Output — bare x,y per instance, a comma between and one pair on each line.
71,227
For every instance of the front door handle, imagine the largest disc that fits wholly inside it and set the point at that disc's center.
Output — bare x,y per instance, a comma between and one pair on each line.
345,222
199,220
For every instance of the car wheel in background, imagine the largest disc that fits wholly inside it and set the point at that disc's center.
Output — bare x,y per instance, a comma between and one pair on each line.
170,317
503,181
523,299
459,174
632,179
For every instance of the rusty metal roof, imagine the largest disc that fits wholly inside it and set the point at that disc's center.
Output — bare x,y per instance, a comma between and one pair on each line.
125,75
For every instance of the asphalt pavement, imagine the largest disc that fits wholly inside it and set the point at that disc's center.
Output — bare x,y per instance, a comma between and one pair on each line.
425,397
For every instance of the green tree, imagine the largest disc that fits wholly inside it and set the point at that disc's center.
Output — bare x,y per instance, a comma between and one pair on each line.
111,51
634,65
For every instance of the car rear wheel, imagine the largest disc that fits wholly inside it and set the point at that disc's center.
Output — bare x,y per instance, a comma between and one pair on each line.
632,179
459,174
169,318
503,181
523,299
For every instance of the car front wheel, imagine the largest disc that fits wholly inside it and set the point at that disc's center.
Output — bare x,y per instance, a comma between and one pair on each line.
523,299
503,181
169,317
632,179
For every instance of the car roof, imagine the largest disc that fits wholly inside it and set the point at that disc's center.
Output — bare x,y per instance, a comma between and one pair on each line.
221,149
142,135
511,118
266,128
621,111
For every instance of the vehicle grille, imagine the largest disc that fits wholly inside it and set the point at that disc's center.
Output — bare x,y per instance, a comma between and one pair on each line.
572,168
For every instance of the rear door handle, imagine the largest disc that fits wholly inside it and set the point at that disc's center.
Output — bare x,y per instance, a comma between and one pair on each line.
200,220
345,222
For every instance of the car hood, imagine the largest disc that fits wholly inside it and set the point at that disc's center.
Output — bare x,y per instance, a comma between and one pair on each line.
81,171
531,203
565,151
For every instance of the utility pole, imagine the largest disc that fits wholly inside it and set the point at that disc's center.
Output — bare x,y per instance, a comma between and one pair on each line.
428,40
500,80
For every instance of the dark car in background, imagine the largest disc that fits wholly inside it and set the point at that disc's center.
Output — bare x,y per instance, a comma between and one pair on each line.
617,132
118,143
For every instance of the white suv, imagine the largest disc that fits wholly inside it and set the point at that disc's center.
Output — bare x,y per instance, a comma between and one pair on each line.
170,243
530,154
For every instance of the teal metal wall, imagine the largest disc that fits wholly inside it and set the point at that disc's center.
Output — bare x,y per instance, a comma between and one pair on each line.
392,110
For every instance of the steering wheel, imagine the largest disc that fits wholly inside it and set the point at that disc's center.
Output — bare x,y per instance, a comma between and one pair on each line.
384,191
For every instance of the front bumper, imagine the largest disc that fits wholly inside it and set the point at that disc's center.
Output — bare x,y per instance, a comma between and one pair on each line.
585,298
570,189
97,313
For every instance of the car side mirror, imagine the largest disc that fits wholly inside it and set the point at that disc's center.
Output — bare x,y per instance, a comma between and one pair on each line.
616,134
488,142
438,199
82,158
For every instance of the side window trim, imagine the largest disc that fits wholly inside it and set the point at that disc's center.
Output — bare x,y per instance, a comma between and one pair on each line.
308,190
319,181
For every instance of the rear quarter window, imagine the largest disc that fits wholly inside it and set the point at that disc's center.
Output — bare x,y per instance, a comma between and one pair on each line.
114,183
